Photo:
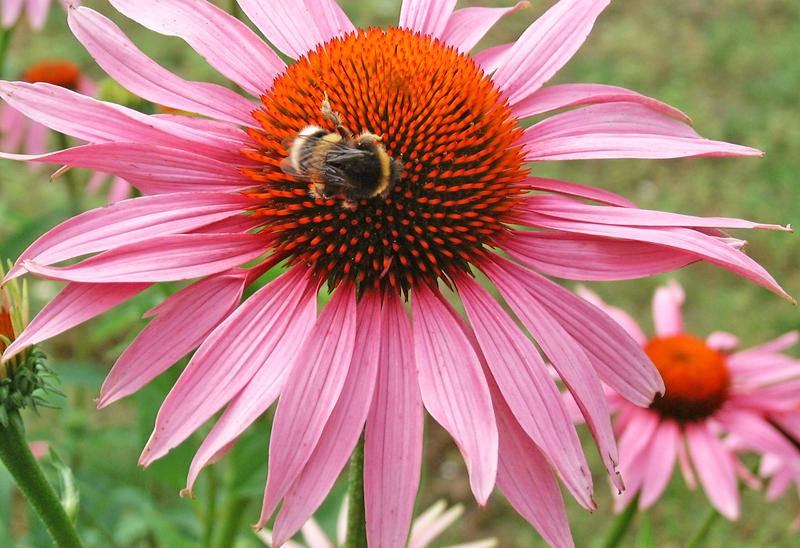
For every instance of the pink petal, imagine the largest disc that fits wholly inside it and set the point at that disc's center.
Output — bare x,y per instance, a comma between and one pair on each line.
663,452
758,434
619,130
568,208
393,435
152,169
95,121
12,127
225,42
524,383
571,362
667,314
11,10
634,450
296,27
128,222
134,70
37,13
572,95
343,428
36,139
183,322
577,190
546,46
311,392
467,26
454,388
714,466
426,17
313,535
617,314
527,481
590,258
161,259
423,533
710,248
225,362
686,465
275,354
722,341
76,304
491,58
779,344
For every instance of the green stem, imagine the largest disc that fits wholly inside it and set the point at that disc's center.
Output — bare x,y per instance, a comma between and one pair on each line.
699,537
5,40
74,191
231,523
621,525
22,466
234,9
356,519
210,514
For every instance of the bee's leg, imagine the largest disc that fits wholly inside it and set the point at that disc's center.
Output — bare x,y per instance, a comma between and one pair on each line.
350,205
316,191
334,118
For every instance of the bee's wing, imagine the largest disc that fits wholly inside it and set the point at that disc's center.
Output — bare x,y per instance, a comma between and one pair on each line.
304,158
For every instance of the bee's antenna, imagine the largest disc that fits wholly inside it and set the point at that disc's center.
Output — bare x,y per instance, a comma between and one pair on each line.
334,118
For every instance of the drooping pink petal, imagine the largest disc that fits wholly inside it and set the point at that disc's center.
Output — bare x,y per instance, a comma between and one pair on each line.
183,322
722,341
617,314
590,258
667,313
11,10
467,26
393,434
779,344
619,130
568,208
757,434
634,448
710,248
310,394
313,535
526,479
686,465
454,388
619,360
37,13
663,452
225,362
128,222
577,190
296,27
77,303
572,95
491,58
225,42
524,382
426,17
433,524
152,169
36,139
546,46
160,259
134,70
276,355
343,428
714,467
12,127
96,121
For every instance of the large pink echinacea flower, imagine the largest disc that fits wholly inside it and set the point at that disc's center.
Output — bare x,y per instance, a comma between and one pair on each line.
718,401
219,207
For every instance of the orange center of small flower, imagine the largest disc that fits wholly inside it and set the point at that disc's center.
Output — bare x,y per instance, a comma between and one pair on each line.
437,115
695,377
6,328
54,71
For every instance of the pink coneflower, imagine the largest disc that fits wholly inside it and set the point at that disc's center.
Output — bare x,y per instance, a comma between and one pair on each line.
426,527
37,11
221,208
716,401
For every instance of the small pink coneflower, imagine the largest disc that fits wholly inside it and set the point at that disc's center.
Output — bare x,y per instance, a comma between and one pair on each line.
219,208
37,10
718,401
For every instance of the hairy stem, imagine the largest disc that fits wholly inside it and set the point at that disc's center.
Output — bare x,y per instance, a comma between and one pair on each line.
22,466
5,40
356,519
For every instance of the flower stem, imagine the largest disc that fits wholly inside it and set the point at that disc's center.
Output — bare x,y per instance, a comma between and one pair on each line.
22,466
621,525
231,521
5,40
700,535
356,519
210,514
74,191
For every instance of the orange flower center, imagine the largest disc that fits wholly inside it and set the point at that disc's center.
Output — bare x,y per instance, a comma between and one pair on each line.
695,377
439,119
6,328
58,72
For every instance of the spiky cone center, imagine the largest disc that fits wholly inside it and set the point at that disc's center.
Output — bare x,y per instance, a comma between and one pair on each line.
58,72
438,114
695,376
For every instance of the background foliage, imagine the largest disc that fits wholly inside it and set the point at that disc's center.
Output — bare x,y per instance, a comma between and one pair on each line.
733,65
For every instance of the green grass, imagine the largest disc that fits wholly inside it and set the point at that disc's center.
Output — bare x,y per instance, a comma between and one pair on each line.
732,65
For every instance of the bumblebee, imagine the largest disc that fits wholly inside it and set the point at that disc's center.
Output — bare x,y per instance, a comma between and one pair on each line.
339,163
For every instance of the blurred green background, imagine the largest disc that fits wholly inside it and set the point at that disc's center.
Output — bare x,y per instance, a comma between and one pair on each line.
732,65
